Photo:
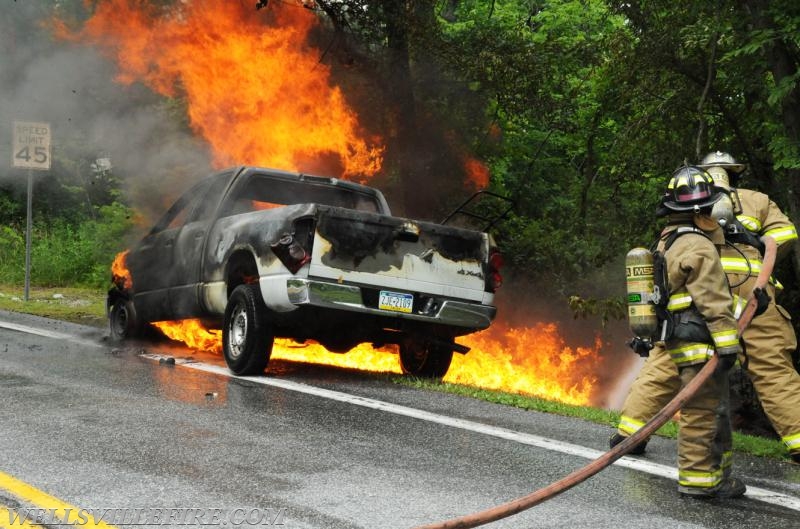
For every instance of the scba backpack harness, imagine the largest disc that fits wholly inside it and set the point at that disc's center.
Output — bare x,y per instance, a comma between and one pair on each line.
649,316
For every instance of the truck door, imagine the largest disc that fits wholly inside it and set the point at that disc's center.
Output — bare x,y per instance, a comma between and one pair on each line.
152,264
189,244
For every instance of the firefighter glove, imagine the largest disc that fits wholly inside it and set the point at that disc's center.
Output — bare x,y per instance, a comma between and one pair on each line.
762,300
641,346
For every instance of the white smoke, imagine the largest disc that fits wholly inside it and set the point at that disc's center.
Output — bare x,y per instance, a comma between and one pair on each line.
92,116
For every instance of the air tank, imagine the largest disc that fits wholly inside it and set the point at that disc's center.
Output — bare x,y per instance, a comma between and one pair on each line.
642,317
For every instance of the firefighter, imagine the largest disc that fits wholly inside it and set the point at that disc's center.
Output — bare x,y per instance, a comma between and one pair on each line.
769,339
702,326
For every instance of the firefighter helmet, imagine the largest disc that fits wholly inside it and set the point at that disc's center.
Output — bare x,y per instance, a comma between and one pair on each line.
690,189
724,161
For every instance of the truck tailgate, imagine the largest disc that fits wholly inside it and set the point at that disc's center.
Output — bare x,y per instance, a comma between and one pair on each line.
391,252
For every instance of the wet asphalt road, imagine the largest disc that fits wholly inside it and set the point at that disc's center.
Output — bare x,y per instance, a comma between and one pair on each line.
101,426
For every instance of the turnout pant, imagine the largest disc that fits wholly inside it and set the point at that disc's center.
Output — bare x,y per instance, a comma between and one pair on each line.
769,342
704,439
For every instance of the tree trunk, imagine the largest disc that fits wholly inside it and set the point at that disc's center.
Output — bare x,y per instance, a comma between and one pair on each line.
410,160
783,65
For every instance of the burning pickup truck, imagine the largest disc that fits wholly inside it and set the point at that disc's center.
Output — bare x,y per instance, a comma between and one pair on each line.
264,253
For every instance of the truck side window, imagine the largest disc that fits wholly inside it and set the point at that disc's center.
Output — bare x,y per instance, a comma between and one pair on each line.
197,203
176,215
204,209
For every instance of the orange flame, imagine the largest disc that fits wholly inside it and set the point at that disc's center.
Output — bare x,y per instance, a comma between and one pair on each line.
120,275
477,172
529,360
255,90
192,333
258,93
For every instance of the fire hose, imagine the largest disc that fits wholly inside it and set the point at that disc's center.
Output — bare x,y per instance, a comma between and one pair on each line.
667,412
767,265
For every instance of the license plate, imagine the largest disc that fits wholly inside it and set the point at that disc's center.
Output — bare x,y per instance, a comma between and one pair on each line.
395,301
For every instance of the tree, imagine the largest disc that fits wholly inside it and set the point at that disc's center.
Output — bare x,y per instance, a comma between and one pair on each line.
739,62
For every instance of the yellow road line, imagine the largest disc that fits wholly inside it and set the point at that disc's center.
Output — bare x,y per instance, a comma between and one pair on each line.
9,520
40,499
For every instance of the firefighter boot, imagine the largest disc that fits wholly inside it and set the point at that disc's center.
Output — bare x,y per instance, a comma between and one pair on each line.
729,488
637,450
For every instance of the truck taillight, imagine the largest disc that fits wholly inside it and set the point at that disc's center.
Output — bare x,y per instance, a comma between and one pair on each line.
294,249
493,278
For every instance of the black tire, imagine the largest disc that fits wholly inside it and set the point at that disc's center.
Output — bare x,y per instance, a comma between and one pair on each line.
246,335
425,359
122,320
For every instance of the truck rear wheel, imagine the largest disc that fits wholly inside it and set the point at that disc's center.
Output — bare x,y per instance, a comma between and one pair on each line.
425,359
246,334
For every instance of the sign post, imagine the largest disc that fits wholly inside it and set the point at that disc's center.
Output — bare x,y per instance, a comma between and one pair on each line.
31,150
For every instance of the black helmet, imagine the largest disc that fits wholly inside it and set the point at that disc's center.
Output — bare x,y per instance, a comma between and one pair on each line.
725,161
690,190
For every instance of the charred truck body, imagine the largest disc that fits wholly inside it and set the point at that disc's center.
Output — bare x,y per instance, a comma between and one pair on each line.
263,253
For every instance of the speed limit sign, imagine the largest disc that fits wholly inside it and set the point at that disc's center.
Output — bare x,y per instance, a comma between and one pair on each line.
31,148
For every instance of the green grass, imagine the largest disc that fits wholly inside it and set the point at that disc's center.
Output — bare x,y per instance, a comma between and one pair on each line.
87,306
748,444
78,305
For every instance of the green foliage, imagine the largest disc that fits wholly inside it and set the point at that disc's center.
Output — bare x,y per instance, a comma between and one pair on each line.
64,253
608,308
12,245
12,210
581,110
547,73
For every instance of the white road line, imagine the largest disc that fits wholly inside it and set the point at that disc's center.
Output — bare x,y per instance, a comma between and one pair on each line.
47,334
756,493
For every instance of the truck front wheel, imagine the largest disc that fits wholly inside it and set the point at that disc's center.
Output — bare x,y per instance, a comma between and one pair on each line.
122,319
246,335
425,359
